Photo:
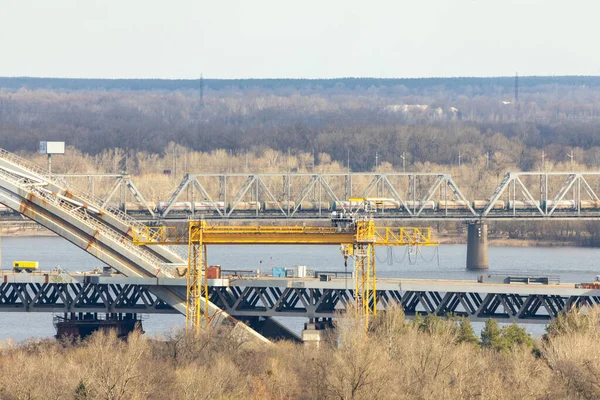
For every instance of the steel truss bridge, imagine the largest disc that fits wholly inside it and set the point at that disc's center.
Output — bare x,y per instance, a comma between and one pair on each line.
519,195
247,298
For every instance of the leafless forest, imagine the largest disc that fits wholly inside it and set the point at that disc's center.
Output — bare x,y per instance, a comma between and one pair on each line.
431,121
428,358
474,128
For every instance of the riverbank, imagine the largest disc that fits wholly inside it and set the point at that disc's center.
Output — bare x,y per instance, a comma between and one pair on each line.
505,242
26,228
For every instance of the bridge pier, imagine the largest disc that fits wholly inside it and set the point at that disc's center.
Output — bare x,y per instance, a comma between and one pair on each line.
477,245
83,324
316,331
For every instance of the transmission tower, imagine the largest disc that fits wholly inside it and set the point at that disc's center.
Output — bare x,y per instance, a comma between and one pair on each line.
516,88
201,91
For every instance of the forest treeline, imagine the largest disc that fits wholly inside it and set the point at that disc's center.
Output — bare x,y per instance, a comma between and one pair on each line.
445,121
466,84
427,358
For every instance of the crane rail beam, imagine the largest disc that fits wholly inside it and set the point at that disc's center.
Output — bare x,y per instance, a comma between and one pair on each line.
300,235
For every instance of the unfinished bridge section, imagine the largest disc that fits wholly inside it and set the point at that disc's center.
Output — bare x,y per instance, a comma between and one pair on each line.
92,225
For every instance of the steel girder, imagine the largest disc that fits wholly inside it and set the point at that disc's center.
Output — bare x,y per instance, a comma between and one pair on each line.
254,301
542,191
409,189
80,297
326,303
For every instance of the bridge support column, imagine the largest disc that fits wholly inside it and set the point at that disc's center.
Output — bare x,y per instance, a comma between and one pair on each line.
477,245
316,332
84,324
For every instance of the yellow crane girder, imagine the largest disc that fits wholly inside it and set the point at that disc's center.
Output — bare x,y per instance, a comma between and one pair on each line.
303,235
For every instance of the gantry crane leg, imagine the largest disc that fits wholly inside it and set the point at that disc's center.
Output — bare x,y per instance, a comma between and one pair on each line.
197,284
365,295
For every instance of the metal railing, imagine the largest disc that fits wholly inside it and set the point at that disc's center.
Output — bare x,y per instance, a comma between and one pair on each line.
517,277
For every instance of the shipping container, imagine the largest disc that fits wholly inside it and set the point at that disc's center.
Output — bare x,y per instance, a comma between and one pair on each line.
278,272
213,272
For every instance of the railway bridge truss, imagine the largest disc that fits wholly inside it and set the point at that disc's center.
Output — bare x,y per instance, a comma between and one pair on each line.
427,196
300,298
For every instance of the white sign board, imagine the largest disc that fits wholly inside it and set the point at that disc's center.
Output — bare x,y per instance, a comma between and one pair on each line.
52,147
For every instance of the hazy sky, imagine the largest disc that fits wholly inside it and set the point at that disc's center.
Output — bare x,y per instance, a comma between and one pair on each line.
299,39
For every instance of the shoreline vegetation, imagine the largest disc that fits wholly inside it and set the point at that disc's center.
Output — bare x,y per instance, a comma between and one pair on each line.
33,230
19,229
427,358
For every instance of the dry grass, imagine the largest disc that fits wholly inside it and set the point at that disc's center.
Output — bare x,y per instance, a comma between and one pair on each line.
396,360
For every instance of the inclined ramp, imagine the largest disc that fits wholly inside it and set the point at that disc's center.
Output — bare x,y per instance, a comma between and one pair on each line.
102,231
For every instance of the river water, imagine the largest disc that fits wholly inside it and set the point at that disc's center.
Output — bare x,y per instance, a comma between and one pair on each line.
448,262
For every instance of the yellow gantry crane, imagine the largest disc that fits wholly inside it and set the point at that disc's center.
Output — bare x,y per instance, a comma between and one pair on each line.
357,236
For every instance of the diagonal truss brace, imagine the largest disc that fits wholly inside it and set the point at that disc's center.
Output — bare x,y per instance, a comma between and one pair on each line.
124,181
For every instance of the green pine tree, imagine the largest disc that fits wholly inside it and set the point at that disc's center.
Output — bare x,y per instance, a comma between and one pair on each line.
466,334
514,335
491,335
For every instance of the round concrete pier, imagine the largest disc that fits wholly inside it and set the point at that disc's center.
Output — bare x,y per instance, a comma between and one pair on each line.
477,246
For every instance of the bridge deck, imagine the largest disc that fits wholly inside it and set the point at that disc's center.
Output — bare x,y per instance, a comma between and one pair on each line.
383,284
293,297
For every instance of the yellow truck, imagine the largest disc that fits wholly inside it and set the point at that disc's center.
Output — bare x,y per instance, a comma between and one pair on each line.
28,266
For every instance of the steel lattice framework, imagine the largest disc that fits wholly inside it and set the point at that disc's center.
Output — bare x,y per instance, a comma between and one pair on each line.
305,299
80,297
93,225
508,303
289,191
524,195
